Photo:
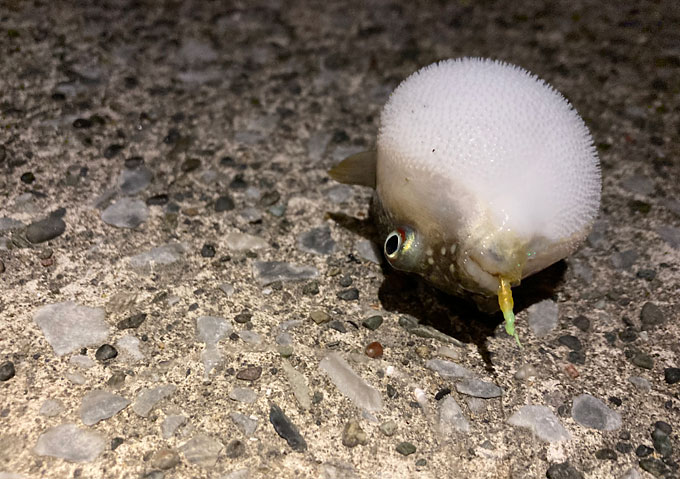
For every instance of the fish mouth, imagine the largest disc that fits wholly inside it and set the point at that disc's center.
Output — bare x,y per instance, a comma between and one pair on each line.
482,281
485,266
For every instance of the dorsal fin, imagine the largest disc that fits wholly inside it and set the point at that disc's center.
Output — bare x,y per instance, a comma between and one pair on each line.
357,169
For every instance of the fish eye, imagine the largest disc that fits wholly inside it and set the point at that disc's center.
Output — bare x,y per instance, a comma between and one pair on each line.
392,244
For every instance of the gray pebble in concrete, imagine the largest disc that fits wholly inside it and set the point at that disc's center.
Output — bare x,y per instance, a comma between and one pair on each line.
244,395
450,418
133,181
99,405
641,384
593,413
317,241
51,407
148,398
543,317
478,388
164,459
69,442
170,425
161,255
388,428
448,369
267,272
202,450
631,473
211,329
368,250
350,383
246,424
541,421
670,234
69,326
126,213
9,224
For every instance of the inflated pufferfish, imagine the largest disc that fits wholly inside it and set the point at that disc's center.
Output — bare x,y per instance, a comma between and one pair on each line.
484,174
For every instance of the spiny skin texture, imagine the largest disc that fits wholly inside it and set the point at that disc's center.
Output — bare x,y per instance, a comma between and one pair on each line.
493,170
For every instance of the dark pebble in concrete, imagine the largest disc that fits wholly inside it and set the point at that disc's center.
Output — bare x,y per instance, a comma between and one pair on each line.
623,447
235,448
112,150
157,200
576,357
606,454
7,371
115,442
45,230
224,203
27,178
372,323
172,136
650,316
662,442
81,123
351,294
190,164
243,317
664,427
251,373
628,335
105,352
270,197
406,448
643,451
311,288
345,281
238,183
286,429
208,251
133,322
338,326
392,391
572,342
563,470
582,323
648,274
116,380
133,162
671,375
441,393
2,266
643,360
654,466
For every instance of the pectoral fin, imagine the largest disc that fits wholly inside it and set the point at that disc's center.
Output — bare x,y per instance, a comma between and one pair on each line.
358,169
